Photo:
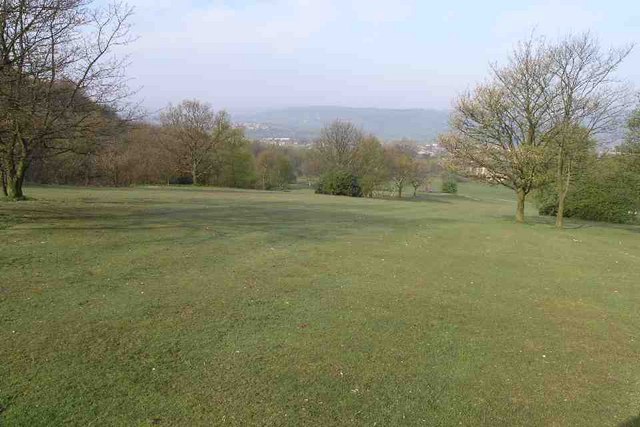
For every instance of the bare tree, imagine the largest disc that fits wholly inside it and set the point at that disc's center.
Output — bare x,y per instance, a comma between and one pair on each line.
589,102
401,167
420,173
502,127
57,74
543,107
112,162
193,130
337,145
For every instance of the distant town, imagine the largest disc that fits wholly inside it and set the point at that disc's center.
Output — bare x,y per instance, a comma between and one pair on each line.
287,138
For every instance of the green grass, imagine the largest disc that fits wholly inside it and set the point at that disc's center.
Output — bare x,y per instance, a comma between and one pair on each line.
218,307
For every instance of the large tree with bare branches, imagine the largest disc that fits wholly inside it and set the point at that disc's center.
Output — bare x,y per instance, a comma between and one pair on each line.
337,145
502,126
588,101
58,77
193,131
542,108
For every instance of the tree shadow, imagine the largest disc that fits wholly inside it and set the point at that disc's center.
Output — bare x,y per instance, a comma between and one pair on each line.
281,221
420,198
551,222
572,223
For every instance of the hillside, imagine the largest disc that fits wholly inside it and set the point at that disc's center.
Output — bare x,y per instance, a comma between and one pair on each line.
305,122
192,306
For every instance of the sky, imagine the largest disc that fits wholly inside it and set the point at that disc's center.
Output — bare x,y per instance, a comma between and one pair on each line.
244,55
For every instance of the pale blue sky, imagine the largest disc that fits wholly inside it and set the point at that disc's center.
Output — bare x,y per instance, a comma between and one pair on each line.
247,54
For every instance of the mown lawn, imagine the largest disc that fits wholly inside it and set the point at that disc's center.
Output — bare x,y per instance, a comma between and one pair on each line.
175,306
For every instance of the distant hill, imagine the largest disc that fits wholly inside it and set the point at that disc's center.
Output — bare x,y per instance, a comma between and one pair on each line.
304,123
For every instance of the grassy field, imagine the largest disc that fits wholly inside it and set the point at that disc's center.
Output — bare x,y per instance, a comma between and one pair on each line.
186,306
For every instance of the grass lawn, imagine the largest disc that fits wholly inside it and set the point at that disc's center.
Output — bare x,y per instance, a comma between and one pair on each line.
157,306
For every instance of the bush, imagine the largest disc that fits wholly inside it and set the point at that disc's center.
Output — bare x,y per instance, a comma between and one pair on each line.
605,191
339,184
449,184
181,180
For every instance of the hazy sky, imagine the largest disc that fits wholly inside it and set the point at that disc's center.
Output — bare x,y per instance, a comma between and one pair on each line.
244,54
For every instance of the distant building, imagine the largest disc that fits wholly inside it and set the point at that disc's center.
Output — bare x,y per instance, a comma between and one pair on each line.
285,142
479,172
430,150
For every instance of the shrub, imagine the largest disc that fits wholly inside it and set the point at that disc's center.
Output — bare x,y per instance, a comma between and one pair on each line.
449,184
181,180
339,184
605,191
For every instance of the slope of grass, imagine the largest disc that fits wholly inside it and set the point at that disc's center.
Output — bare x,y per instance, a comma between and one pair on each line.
219,307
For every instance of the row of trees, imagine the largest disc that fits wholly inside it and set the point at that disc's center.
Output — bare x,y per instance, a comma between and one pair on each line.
207,147
64,115
539,113
191,145
65,119
343,152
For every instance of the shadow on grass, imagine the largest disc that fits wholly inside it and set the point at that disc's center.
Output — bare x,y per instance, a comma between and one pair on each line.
422,198
632,422
572,224
550,221
281,221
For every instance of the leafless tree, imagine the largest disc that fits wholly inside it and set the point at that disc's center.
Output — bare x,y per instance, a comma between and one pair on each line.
589,101
420,174
401,166
530,112
337,145
193,130
58,76
502,126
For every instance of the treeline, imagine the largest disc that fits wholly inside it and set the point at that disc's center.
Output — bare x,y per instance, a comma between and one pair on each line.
191,145
532,126
351,163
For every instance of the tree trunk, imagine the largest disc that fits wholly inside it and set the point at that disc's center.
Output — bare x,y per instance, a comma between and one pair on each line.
14,183
562,197
3,178
520,207
560,214
560,188
194,174
14,167
563,189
